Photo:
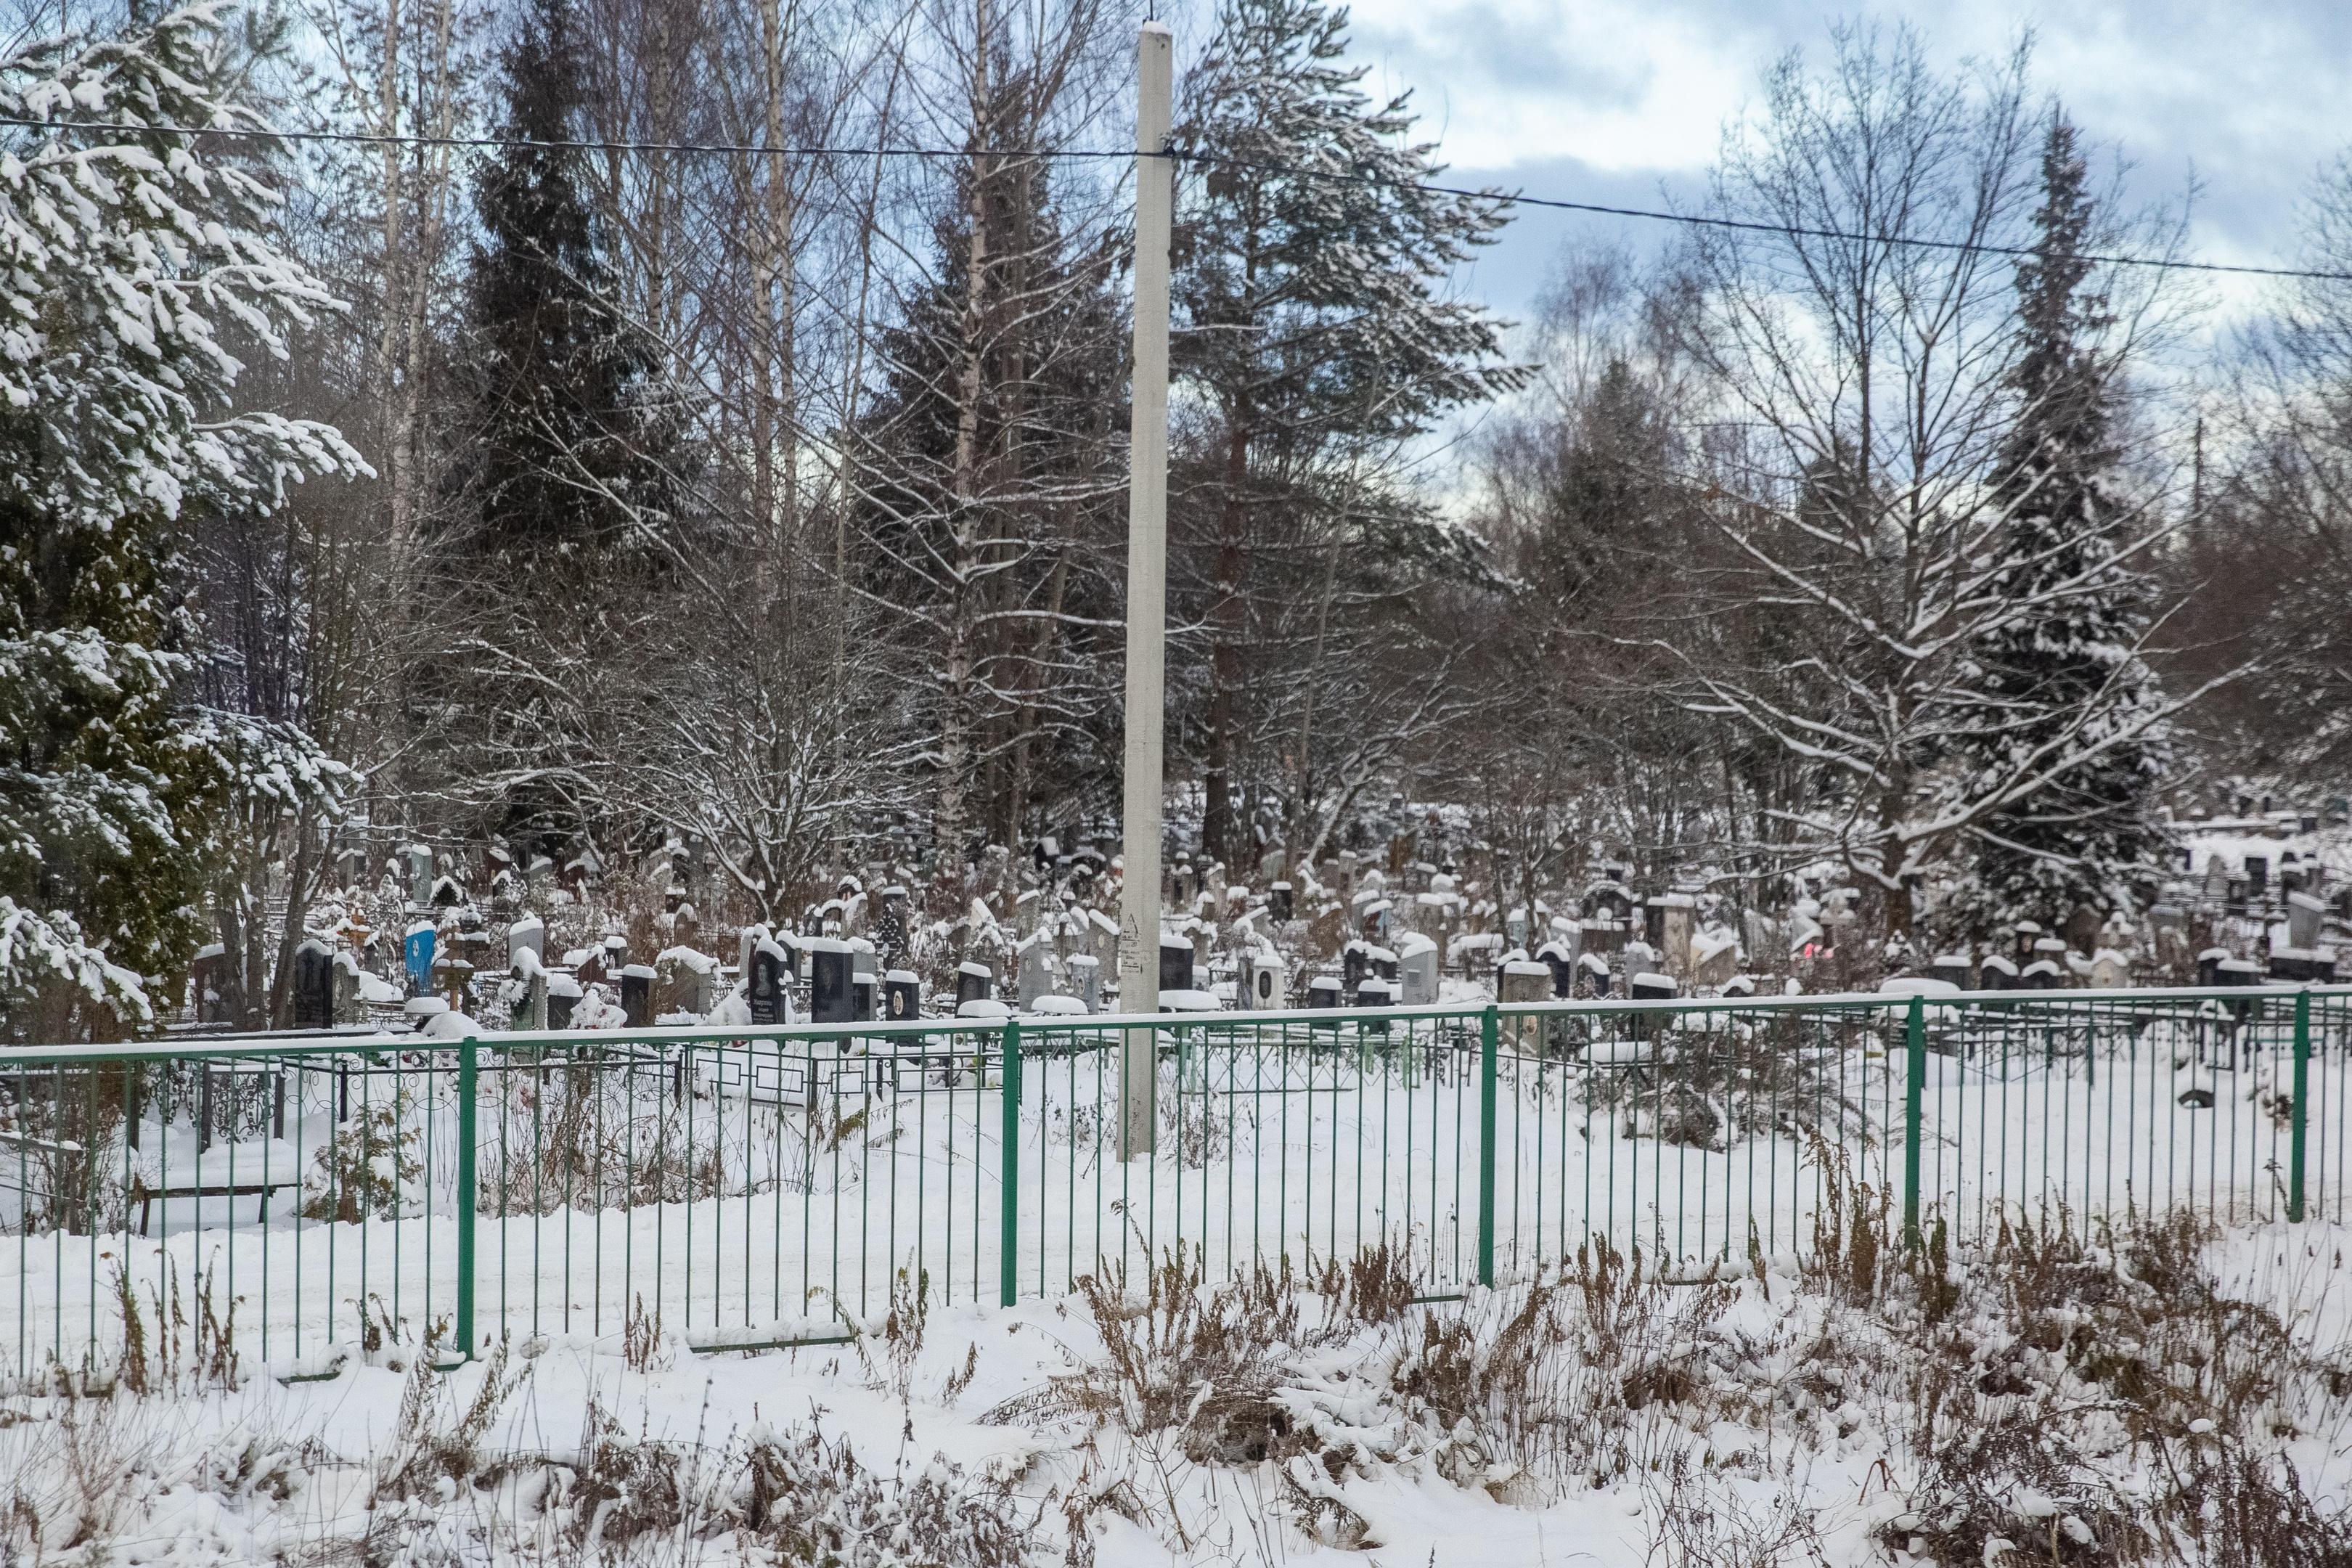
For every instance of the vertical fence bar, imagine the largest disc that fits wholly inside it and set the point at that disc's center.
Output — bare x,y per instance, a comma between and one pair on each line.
2301,1127
1914,1086
468,1066
1489,1048
1009,1167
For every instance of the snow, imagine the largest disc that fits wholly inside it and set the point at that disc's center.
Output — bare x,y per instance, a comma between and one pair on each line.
1797,1404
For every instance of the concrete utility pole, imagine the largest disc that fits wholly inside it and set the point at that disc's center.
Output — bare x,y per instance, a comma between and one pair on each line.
1147,590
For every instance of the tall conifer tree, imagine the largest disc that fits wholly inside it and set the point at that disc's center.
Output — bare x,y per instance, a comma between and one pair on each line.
558,382
1312,321
134,269
2072,647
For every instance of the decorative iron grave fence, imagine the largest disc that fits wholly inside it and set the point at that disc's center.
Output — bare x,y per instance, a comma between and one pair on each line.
757,1186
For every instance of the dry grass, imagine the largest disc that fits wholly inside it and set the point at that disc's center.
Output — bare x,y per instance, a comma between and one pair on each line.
2070,1396
2071,1361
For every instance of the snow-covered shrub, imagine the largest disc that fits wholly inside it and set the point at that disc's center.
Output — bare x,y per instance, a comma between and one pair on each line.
1704,1081
372,1168
810,1501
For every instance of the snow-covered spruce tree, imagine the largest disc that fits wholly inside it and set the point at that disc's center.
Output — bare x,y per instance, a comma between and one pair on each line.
133,261
540,568
2081,826
1311,326
558,376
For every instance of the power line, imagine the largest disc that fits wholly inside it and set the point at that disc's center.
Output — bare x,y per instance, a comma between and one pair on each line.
1799,231
1501,198
405,139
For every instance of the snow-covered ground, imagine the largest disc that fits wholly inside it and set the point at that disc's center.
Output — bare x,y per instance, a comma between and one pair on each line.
2041,1405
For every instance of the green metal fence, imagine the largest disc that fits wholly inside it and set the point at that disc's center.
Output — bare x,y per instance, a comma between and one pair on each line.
299,1202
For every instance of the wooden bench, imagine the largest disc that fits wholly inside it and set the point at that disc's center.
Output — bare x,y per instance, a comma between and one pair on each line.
146,1196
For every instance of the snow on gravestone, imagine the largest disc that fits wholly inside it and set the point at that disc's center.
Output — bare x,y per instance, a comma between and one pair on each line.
1417,969
1086,979
1262,980
637,994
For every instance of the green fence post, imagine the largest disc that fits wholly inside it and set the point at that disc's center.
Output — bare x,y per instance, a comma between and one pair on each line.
1489,1045
2302,1123
1009,1218
468,1069
1914,1086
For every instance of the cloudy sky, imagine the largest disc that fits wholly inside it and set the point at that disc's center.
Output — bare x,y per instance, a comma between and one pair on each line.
1616,100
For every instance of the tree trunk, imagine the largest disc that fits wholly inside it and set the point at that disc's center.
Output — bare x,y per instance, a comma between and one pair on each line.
1220,833
955,729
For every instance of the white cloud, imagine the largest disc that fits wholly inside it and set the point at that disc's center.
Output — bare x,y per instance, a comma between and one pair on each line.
1617,85
2250,97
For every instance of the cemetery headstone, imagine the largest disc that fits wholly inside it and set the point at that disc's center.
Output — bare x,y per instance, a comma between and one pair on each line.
1674,918
1714,955
1599,934
348,1008
1036,972
527,934
1561,962
1262,987
314,985
531,1001
1651,987
831,995
563,995
864,979
1526,981
2303,913
902,995
1953,967
1175,962
1325,991
1998,972
1417,970
416,953
1086,979
1355,963
1593,974
1104,939
637,994
974,982
767,983
1475,952
1279,902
